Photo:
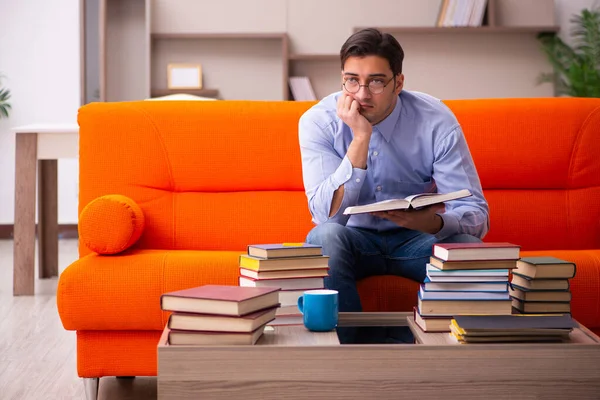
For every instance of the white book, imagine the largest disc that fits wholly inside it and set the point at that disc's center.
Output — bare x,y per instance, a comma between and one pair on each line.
430,286
434,271
301,88
426,295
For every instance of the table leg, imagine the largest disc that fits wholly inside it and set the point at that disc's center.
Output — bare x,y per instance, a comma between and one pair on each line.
24,231
48,218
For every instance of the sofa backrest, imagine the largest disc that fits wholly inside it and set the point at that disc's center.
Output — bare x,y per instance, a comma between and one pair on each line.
208,175
222,175
538,161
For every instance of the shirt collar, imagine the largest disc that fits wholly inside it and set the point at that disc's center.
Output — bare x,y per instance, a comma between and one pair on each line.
386,127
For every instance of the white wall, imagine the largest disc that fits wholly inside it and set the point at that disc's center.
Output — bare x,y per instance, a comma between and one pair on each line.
565,10
39,53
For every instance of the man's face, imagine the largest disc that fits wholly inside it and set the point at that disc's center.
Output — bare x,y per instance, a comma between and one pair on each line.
375,71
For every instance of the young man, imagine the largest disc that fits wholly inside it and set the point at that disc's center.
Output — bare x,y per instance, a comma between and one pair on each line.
373,141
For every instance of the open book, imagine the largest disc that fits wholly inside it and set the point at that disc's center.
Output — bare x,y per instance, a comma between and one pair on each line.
413,201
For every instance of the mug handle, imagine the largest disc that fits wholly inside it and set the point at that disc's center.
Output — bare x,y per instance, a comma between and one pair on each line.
301,304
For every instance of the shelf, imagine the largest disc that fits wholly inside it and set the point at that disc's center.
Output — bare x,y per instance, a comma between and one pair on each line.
218,35
314,57
196,92
467,29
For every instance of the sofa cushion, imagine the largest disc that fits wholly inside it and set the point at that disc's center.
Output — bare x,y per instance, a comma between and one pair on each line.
111,224
122,292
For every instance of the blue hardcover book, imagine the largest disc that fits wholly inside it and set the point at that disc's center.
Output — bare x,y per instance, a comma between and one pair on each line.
482,286
431,270
466,296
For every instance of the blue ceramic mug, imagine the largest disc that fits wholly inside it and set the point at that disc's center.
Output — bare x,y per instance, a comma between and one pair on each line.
319,309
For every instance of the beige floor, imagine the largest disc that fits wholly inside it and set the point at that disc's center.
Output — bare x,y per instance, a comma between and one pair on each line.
37,356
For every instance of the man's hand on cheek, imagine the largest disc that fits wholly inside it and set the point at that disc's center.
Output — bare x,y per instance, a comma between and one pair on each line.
424,220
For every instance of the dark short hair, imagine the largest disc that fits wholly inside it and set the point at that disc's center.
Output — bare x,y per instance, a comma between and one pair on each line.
372,42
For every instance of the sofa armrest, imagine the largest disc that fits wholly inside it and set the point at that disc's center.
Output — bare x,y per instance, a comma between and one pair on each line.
111,224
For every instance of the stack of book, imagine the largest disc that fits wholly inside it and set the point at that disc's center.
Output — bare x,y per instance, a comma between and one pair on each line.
219,315
462,13
511,328
465,279
541,285
292,267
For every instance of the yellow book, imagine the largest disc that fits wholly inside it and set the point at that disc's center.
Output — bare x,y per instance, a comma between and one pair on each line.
282,264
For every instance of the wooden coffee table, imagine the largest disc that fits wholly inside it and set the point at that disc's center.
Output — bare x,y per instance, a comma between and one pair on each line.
293,363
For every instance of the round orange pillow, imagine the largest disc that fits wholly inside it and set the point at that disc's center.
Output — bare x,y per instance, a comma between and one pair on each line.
111,224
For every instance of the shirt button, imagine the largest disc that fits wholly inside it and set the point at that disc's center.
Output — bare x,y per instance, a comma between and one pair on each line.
348,176
379,188
375,153
357,180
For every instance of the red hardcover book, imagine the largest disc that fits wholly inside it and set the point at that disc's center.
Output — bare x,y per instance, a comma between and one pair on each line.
220,299
476,251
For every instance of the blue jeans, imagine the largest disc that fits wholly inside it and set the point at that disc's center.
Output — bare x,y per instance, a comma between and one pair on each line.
355,254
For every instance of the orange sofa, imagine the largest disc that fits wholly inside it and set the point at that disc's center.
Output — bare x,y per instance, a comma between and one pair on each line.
212,177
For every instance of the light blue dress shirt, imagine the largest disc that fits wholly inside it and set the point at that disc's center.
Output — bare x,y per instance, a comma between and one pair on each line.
418,148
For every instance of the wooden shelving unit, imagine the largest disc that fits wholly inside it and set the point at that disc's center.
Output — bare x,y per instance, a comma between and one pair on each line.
139,38
214,93
467,29
201,35
280,37
313,57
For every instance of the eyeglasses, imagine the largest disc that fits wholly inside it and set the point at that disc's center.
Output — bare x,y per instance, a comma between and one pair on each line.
376,86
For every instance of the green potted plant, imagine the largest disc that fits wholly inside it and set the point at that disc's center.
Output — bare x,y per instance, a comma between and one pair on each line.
4,104
576,68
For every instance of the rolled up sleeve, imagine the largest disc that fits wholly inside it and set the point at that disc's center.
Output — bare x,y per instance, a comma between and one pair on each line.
324,170
454,170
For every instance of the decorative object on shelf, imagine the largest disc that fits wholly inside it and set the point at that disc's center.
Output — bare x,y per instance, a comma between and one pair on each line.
4,104
180,96
577,68
206,92
184,76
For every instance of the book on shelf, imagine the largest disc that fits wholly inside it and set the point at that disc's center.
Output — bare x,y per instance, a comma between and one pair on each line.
540,295
474,264
304,273
526,282
193,338
213,322
477,251
455,13
220,299
277,250
545,268
414,201
284,283
281,263
301,88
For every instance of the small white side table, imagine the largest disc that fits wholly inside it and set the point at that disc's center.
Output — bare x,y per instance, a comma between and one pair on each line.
38,148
